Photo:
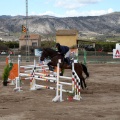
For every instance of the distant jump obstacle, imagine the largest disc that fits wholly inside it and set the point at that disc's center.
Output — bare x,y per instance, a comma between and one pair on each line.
13,72
41,73
116,51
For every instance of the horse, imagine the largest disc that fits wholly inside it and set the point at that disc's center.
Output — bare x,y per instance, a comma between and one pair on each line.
54,57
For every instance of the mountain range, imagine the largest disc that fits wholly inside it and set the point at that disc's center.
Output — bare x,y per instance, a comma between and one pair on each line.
104,24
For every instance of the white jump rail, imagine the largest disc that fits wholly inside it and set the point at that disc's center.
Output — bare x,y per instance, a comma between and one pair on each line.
33,76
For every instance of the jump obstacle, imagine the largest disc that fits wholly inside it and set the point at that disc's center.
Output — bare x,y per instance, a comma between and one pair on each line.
14,71
35,72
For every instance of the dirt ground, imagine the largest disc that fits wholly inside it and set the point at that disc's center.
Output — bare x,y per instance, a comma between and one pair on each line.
101,101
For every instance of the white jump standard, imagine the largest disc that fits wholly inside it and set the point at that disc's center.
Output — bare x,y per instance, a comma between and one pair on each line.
34,72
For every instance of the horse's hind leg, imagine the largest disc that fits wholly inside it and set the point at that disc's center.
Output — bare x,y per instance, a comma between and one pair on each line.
84,82
78,69
85,70
81,83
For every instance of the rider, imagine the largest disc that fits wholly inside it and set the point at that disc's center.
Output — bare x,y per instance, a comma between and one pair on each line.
65,51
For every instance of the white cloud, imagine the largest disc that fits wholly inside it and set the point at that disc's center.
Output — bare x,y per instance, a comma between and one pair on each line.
48,13
72,13
75,13
110,10
33,13
71,4
88,13
100,12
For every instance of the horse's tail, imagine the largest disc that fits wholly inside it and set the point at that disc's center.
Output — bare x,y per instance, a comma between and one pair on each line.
85,70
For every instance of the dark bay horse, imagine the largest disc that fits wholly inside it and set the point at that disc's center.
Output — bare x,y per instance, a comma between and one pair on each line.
54,57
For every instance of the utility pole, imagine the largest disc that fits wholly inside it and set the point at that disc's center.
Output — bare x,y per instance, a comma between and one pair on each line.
27,34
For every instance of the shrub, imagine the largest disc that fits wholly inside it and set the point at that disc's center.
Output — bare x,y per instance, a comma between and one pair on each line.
6,73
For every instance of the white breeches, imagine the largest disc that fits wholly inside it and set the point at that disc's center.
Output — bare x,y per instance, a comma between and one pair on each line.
67,54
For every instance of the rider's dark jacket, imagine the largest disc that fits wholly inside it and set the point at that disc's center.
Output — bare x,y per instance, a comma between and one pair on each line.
63,49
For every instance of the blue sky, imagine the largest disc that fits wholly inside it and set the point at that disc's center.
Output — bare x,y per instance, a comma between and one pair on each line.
59,8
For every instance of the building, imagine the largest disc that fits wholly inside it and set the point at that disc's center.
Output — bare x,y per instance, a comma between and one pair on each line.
67,37
81,43
32,40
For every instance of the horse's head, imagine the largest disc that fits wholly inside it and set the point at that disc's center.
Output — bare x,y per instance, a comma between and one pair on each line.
44,55
48,52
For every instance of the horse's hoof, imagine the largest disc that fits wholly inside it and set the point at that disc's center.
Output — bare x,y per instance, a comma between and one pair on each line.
86,88
61,74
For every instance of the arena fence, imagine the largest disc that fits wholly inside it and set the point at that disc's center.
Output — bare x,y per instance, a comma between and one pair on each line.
91,57
97,57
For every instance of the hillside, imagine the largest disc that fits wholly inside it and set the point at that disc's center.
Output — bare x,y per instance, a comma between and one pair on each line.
109,23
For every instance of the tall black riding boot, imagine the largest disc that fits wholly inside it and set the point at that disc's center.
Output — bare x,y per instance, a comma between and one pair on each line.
68,60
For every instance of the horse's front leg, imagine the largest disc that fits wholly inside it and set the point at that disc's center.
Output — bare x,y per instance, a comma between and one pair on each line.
50,66
62,69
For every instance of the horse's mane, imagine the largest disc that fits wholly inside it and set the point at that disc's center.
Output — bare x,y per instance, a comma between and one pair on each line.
50,51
